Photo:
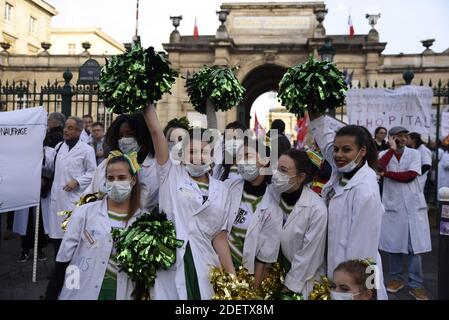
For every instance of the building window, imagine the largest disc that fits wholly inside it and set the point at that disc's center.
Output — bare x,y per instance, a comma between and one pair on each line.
8,11
72,48
33,25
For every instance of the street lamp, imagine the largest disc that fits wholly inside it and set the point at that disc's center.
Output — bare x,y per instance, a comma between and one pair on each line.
327,50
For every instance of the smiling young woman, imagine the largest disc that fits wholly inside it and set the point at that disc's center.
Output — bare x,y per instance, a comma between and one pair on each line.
352,194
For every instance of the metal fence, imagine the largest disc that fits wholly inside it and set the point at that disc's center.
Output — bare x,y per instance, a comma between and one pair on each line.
75,100
84,99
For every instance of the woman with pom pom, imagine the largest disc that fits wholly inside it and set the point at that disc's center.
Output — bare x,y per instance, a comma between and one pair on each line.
86,266
196,203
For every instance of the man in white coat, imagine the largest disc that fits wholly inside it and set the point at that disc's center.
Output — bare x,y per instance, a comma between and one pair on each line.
86,133
405,224
74,168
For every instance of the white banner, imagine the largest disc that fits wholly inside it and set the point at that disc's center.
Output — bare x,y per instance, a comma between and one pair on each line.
334,123
22,134
408,106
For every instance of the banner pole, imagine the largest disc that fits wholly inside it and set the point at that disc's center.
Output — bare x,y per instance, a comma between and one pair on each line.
36,236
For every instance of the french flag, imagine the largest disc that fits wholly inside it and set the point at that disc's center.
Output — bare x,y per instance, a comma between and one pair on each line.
195,31
351,27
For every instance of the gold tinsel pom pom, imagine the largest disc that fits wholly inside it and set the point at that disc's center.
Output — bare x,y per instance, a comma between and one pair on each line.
321,290
241,285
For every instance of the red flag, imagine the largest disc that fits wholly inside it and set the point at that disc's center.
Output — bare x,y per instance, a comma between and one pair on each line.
257,126
195,31
351,27
301,131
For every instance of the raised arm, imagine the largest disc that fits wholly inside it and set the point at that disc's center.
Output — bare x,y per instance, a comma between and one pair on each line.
323,135
157,135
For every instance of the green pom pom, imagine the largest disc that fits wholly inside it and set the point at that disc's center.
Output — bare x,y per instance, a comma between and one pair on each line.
217,83
147,246
128,82
314,86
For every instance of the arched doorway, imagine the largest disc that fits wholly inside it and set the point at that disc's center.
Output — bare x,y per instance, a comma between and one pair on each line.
262,79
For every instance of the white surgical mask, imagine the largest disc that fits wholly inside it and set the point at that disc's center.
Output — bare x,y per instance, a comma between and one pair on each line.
197,170
118,191
281,181
350,166
232,146
175,149
249,172
128,144
343,295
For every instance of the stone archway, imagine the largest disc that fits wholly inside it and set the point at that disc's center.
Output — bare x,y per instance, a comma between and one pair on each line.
258,81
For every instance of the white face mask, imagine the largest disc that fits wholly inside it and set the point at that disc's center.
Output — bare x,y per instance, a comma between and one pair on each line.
175,149
128,144
249,172
197,170
232,146
118,191
350,166
281,182
343,295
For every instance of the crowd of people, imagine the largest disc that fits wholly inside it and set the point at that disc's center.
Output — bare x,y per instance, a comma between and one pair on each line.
329,216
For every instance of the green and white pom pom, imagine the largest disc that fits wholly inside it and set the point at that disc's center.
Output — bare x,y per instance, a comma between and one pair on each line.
128,82
312,86
217,83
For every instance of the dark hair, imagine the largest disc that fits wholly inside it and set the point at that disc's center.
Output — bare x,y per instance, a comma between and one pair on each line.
87,116
174,124
378,129
236,125
279,125
357,268
417,137
302,163
98,124
135,193
362,139
142,134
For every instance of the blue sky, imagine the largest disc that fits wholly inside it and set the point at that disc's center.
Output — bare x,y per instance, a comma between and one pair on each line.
403,24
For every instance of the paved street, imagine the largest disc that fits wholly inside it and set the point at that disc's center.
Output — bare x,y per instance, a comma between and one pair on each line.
15,278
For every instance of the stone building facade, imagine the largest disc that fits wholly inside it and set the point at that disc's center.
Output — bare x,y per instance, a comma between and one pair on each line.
262,40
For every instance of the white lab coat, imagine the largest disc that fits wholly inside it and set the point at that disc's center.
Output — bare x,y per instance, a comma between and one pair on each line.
405,209
180,198
21,216
355,213
79,164
262,239
84,137
303,242
90,223
148,181
443,170
426,159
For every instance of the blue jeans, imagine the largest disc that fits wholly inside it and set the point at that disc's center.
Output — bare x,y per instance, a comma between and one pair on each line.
415,276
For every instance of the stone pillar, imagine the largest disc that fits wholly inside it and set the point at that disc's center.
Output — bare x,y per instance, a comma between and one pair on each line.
373,49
